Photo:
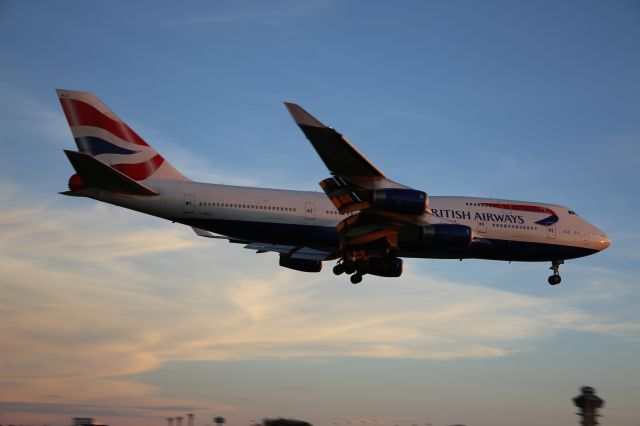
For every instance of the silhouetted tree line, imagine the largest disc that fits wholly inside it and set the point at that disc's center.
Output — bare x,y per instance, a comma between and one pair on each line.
284,422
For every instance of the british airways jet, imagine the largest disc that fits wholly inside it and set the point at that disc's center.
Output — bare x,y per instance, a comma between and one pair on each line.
363,220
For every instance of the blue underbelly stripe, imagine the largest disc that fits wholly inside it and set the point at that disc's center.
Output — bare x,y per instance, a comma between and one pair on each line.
323,237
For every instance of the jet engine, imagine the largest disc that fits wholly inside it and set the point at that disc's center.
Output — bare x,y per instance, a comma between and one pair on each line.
398,200
303,265
447,235
385,266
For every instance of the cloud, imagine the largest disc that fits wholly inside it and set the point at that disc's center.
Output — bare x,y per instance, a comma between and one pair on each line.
93,293
195,167
99,410
21,111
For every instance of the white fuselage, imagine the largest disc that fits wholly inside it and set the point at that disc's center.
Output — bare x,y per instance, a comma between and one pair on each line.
509,231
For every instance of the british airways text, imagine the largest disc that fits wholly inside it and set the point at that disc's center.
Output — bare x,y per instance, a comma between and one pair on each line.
477,216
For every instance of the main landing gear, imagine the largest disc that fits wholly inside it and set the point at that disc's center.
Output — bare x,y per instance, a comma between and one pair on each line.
555,267
354,263
356,269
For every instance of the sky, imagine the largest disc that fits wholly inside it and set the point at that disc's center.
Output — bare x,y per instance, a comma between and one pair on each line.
130,319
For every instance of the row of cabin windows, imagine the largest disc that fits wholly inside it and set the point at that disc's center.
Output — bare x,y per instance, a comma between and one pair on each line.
502,225
246,206
335,212
534,228
577,233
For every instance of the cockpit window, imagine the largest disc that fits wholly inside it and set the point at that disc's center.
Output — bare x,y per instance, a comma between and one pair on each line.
572,212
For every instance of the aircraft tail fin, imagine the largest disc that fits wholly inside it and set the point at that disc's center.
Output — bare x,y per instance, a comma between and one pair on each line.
101,134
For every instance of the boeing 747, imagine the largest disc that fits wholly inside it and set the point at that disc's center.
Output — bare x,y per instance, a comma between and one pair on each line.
362,220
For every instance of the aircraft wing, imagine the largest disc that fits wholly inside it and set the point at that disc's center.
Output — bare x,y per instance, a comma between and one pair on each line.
353,175
340,157
293,252
383,208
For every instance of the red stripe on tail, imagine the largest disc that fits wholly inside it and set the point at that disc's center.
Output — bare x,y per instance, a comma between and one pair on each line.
140,171
82,114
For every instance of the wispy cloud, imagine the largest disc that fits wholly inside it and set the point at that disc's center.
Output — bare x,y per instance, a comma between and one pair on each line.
193,166
94,293
23,110
31,116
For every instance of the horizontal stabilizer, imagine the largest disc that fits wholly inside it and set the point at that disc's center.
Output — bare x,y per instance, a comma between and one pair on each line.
94,173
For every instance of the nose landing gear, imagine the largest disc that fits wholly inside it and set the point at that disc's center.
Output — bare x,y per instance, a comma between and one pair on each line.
555,267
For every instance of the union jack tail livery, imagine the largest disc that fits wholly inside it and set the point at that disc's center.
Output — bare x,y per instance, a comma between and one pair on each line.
101,134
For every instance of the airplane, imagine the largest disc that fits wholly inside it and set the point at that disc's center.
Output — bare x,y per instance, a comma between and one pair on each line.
363,220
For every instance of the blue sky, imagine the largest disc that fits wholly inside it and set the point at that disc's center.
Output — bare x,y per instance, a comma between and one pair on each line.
110,313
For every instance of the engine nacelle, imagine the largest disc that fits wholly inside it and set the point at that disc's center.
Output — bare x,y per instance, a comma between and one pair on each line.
303,265
397,200
447,235
385,267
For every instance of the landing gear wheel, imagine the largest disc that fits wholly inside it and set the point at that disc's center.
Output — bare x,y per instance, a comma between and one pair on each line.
356,278
338,269
348,267
555,267
362,268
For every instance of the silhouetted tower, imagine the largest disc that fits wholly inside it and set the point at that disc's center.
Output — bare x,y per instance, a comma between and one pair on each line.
190,419
588,403
169,421
178,421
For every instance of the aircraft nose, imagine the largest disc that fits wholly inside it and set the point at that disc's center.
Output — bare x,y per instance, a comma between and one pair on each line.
603,241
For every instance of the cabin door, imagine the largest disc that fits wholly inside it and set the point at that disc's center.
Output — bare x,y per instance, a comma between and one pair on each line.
189,201
309,210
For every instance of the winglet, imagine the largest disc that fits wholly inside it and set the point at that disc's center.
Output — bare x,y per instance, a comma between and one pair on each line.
302,117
